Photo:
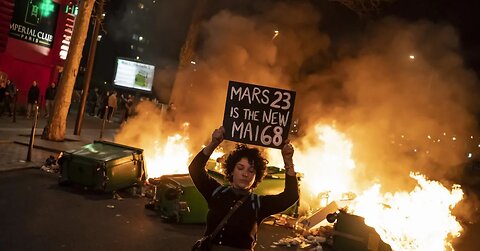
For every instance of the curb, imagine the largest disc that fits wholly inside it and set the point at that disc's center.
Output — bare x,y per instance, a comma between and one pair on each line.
13,169
39,147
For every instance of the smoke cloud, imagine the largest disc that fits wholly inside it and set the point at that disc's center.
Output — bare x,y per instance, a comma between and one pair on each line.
402,95
405,99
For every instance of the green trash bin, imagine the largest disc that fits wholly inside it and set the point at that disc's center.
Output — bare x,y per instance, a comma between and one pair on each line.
103,166
178,200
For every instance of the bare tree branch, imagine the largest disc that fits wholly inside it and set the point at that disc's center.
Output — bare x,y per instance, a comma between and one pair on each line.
364,7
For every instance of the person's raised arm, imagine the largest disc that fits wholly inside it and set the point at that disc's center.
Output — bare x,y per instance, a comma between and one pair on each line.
204,183
217,138
272,204
287,154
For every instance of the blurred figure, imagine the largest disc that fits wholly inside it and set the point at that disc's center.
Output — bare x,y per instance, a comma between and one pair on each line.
32,98
2,97
103,103
112,105
92,101
10,93
128,105
50,99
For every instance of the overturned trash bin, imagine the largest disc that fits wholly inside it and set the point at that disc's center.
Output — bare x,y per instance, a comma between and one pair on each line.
177,199
352,234
103,166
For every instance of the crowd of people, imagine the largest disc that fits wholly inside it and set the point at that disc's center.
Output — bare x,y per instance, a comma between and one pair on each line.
100,103
107,103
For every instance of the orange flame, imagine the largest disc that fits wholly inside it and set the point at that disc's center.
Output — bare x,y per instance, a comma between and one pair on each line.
325,160
169,158
419,220
416,220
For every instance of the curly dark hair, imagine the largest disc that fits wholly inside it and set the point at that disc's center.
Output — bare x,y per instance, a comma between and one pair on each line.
254,157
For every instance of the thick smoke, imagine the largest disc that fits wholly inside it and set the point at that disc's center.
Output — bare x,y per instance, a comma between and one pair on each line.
405,99
244,49
403,95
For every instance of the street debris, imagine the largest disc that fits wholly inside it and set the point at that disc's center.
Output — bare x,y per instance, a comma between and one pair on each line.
281,220
111,206
150,190
116,196
51,165
312,232
308,240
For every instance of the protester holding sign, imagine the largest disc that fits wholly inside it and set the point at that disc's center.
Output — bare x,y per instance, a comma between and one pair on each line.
244,169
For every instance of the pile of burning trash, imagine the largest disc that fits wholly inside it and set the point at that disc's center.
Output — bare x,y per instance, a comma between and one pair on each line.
316,232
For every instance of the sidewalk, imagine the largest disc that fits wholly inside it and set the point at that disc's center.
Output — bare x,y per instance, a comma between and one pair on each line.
15,138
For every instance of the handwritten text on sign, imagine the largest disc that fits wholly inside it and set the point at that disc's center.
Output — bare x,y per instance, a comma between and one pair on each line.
258,115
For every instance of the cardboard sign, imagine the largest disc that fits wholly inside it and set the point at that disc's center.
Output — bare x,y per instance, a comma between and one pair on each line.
258,115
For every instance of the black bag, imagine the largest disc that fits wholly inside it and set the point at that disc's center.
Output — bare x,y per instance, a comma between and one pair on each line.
204,244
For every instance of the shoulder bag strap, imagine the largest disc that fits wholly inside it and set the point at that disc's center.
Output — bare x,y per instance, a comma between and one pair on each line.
225,219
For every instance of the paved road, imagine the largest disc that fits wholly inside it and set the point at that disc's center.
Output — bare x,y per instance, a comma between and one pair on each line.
37,214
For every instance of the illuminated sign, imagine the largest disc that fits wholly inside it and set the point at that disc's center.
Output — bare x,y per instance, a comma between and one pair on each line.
46,8
71,10
34,21
135,75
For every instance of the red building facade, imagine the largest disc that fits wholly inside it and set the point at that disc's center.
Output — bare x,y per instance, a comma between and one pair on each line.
34,40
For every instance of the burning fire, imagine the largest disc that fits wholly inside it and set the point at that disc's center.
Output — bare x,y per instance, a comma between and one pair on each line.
169,158
325,160
172,157
418,220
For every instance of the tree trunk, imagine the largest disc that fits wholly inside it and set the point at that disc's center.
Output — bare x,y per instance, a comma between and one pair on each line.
57,122
187,53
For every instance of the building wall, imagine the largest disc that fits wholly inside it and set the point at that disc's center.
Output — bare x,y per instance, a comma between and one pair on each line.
25,62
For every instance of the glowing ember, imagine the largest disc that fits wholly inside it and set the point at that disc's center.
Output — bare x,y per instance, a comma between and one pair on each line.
419,220
169,158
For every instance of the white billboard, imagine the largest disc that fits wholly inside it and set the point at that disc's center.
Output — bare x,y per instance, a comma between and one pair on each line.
135,75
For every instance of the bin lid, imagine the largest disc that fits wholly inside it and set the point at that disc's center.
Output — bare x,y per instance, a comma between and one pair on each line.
183,180
103,151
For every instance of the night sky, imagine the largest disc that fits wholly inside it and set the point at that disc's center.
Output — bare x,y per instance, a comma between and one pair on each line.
339,22
463,15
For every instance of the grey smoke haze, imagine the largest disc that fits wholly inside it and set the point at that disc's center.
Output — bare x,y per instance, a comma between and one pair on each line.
381,94
243,49
375,96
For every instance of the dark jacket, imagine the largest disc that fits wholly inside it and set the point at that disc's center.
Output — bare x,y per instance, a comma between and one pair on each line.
2,95
11,89
33,94
241,229
50,93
